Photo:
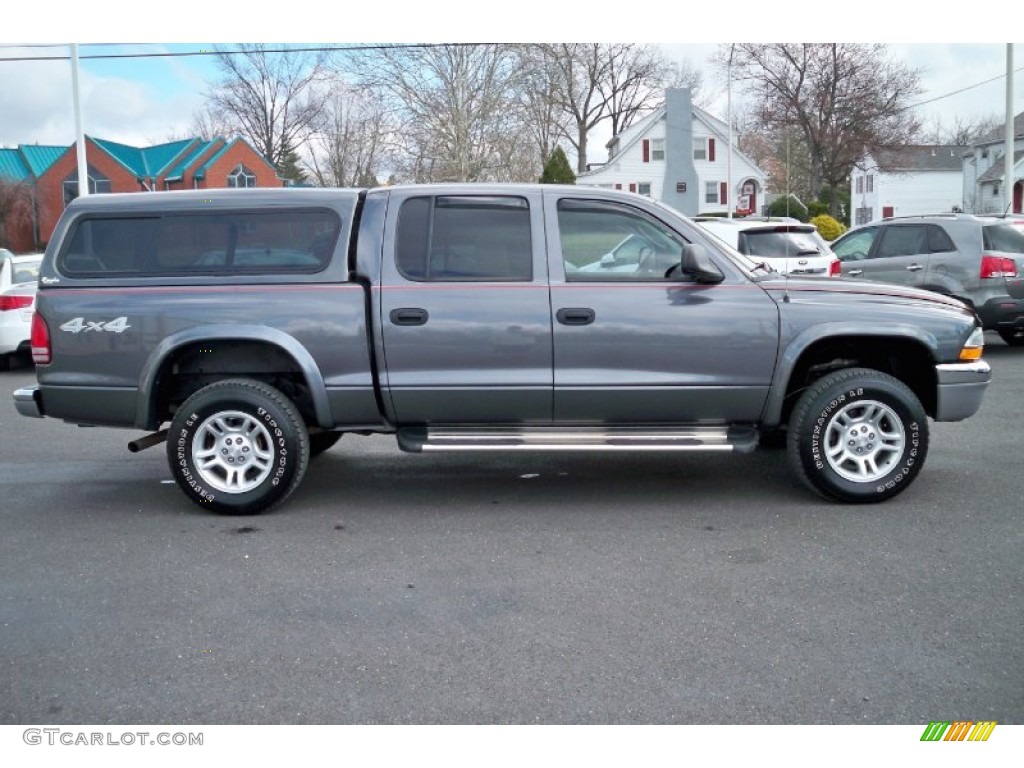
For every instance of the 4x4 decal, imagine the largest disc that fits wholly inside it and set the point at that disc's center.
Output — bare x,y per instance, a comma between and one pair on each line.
80,324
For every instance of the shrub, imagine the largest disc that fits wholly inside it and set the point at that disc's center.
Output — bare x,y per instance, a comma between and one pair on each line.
828,227
787,205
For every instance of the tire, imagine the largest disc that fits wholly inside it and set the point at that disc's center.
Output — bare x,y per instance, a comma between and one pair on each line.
1012,336
858,435
322,441
243,421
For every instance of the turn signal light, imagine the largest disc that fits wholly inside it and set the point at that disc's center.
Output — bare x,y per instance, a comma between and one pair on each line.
974,346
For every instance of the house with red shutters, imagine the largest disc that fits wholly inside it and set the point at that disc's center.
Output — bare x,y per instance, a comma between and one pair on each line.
37,182
679,155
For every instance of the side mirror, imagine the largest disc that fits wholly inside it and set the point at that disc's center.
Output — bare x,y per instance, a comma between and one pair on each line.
696,264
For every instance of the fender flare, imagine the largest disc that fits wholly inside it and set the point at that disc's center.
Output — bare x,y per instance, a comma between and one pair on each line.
145,414
795,349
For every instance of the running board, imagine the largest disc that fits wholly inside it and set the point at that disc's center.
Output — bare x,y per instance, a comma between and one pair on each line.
417,440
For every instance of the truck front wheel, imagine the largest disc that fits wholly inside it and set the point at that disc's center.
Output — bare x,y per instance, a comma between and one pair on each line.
858,435
238,447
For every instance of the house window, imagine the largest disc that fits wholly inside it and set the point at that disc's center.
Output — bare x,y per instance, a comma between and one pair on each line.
871,183
711,192
98,185
657,149
241,177
995,189
860,185
700,149
644,188
863,215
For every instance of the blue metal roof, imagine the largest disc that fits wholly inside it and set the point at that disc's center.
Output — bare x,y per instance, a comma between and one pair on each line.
12,166
130,157
201,171
40,158
159,157
28,160
179,169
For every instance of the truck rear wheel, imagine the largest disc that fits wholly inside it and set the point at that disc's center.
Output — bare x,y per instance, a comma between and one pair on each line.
858,435
238,447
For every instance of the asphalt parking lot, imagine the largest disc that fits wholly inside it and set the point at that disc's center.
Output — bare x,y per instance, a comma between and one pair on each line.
396,588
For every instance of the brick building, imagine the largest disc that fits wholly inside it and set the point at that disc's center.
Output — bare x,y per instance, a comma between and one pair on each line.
37,182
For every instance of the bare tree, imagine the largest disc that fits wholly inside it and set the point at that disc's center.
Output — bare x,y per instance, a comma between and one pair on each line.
272,99
548,123
15,210
601,81
455,106
682,74
845,100
962,131
353,147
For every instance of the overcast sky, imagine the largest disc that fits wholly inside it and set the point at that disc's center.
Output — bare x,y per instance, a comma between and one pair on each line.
145,101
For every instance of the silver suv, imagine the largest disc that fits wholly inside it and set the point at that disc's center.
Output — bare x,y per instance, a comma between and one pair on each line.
978,259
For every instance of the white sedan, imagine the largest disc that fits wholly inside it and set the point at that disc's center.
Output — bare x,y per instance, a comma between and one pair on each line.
18,278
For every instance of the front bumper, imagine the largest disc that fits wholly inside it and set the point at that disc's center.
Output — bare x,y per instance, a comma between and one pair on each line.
961,388
27,401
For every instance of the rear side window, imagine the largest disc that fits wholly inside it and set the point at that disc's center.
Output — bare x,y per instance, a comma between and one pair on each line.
251,242
1006,238
464,238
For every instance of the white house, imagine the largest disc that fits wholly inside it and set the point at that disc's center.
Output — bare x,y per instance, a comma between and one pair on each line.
679,155
910,181
983,169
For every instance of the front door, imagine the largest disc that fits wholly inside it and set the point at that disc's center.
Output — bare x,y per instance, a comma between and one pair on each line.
634,346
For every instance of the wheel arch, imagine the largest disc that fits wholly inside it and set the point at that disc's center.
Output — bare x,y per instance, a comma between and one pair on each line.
905,352
259,350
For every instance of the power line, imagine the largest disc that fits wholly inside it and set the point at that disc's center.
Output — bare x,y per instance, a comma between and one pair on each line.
212,52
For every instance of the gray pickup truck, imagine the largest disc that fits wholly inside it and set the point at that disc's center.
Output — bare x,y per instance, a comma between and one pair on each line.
251,329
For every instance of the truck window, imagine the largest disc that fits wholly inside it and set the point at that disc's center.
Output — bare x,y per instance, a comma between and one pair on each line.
248,242
606,241
464,238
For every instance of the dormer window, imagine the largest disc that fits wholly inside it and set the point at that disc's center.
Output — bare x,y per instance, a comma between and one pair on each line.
241,177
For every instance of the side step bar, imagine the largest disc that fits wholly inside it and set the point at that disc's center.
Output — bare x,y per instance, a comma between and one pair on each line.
418,440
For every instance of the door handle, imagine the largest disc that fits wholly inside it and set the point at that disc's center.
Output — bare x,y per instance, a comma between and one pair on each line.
914,268
409,316
854,272
576,316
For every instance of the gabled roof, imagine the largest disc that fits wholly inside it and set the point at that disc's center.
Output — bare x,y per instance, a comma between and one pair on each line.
925,157
144,162
27,161
998,135
629,137
190,156
201,171
995,173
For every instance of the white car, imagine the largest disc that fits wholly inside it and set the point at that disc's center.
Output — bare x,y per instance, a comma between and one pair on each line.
787,245
18,279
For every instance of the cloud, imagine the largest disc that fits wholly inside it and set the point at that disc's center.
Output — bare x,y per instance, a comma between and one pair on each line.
36,104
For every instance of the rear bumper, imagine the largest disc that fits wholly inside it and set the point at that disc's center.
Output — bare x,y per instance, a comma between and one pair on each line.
1002,312
27,401
961,388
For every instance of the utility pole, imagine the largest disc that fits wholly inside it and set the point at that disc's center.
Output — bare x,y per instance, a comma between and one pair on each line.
728,186
1008,181
83,166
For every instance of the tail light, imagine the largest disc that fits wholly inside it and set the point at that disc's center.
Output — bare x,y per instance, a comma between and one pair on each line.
997,266
41,350
14,302
835,268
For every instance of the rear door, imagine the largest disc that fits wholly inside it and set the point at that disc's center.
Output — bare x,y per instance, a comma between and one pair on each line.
464,308
899,254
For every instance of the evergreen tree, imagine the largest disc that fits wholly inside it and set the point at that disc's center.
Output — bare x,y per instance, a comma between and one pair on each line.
557,169
290,168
